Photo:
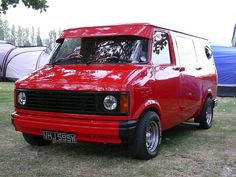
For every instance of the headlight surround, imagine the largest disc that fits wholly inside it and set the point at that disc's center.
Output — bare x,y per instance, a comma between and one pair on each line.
110,103
21,98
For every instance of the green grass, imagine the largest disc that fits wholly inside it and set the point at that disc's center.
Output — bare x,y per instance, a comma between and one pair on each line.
185,150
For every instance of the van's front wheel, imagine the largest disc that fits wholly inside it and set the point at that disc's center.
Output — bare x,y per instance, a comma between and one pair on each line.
147,137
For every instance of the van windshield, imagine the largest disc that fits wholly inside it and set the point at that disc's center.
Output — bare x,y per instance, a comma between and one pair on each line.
101,50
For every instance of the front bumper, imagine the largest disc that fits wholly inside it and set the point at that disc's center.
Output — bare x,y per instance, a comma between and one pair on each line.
104,131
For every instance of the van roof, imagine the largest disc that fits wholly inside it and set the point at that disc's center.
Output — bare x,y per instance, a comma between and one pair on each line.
135,29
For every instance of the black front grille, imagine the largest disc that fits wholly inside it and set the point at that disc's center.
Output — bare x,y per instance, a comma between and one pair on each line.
77,102
61,101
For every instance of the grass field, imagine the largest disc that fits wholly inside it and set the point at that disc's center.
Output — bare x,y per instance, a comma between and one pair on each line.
185,150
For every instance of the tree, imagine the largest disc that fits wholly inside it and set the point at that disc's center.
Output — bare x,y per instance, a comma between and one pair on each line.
32,36
34,4
19,40
1,29
51,40
13,35
19,36
4,30
25,37
38,38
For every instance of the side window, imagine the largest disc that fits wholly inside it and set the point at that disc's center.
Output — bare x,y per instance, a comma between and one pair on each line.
160,49
70,47
208,52
186,50
204,52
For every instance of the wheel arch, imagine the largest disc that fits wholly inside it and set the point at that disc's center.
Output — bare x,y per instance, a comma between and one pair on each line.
153,106
153,109
207,94
149,105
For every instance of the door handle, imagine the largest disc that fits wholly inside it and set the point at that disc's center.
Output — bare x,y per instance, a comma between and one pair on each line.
198,68
179,68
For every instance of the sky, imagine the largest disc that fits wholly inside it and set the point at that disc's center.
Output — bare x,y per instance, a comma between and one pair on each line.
212,19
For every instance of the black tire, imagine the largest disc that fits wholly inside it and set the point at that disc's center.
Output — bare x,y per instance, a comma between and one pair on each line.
35,140
147,137
206,117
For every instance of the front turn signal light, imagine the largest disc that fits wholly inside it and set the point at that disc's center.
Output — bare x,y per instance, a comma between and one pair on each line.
124,103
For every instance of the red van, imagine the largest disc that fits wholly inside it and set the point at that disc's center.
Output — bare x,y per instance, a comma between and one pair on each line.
117,84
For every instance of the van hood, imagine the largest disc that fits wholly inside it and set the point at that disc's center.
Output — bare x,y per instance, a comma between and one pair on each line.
82,77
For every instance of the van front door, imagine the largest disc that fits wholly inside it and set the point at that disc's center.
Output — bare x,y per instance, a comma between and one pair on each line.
167,80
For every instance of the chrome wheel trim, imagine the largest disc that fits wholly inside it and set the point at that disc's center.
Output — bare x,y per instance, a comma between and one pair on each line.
209,114
152,137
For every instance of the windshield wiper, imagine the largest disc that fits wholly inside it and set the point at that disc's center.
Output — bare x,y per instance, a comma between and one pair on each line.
58,61
112,59
65,60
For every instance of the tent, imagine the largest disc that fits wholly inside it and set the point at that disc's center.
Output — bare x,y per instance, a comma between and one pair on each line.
225,60
17,62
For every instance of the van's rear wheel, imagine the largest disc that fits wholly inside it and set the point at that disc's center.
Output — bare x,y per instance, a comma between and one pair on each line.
206,117
35,140
147,136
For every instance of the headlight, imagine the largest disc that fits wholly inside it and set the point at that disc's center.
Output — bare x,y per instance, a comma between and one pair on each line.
110,102
21,98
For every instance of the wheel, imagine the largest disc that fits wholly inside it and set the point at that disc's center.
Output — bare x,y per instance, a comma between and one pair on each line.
147,137
206,116
35,140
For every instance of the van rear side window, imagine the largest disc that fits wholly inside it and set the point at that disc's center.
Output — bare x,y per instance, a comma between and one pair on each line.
204,52
208,52
186,50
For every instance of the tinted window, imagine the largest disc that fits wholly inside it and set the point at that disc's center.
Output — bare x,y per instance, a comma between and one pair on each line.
160,49
186,50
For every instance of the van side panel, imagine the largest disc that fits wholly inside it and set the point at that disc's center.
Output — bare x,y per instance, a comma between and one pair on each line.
191,87
208,71
198,76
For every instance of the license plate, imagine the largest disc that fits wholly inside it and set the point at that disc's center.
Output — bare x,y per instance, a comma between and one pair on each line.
59,136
